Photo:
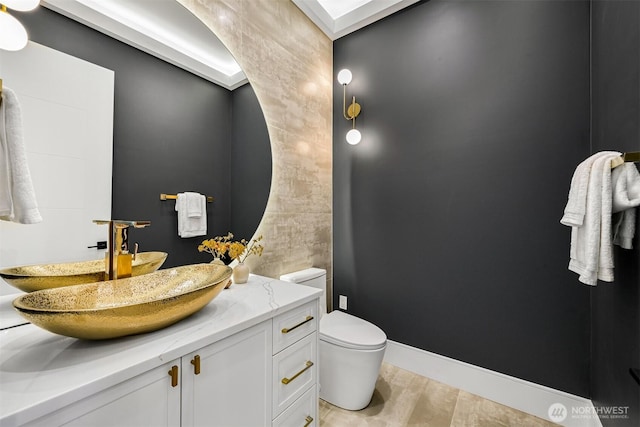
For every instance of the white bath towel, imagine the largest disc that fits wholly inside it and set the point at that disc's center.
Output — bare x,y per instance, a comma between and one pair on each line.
191,226
624,228
625,188
576,206
591,243
17,197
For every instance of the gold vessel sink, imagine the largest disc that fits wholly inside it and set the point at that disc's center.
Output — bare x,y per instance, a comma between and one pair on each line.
128,306
46,276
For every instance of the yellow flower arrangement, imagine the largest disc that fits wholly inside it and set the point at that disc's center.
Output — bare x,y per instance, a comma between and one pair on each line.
240,250
218,246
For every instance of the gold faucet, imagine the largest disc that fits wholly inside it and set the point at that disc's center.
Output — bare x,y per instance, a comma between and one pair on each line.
118,259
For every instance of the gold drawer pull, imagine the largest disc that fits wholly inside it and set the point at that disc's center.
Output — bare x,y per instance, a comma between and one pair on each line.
309,420
196,364
174,376
286,380
287,330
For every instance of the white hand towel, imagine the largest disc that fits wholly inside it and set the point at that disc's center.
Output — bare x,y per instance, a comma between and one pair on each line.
577,202
605,258
591,243
191,226
625,188
17,197
194,204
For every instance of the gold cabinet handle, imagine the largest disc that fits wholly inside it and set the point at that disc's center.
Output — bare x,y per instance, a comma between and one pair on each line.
286,380
308,420
196,364
287,330
174,376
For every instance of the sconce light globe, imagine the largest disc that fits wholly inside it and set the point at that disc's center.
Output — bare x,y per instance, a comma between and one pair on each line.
344,77
21,5
13,36
354,136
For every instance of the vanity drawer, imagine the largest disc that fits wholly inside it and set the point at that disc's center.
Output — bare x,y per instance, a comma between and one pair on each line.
289,327
302,413
295,370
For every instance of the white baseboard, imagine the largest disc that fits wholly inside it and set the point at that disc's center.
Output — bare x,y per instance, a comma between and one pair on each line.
532,398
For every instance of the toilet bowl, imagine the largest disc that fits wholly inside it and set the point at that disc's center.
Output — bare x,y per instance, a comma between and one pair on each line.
351,349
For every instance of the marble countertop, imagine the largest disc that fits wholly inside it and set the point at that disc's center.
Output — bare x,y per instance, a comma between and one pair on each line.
41,371
9,317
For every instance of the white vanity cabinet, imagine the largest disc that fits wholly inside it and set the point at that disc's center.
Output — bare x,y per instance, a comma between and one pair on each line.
223,384
249,358
145,400
228,383
295,367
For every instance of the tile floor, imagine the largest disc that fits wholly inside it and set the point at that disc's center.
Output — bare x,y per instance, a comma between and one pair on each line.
402,398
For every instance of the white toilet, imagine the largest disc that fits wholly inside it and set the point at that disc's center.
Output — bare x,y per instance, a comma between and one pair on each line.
351,349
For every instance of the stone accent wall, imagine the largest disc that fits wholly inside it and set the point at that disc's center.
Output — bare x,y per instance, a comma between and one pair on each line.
288,61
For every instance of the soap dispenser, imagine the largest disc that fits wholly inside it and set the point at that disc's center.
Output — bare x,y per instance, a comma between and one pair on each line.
124,264
124,258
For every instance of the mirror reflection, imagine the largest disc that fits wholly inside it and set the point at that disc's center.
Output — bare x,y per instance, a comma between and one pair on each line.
173,131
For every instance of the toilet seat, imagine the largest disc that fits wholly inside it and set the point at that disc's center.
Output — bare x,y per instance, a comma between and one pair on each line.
348,331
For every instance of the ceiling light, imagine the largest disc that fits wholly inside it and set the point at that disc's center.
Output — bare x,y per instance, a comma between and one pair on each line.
13,35
133,18
21,5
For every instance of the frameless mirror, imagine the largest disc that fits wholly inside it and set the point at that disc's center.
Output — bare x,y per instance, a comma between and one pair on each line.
172,131
167,30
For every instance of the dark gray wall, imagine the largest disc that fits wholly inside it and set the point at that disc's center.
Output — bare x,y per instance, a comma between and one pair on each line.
616,125
173,132
251,160
446,216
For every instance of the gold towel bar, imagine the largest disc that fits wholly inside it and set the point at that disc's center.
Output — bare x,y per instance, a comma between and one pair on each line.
633,156
174,197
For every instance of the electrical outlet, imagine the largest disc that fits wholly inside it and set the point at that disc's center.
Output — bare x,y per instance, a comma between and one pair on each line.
342,302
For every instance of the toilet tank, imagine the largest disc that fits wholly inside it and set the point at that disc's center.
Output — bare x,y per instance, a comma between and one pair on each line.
314,277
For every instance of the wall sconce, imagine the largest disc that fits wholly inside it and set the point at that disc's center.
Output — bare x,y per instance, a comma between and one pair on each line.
350,113
13,35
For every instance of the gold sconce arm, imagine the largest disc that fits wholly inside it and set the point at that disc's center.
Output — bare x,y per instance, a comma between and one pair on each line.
353,110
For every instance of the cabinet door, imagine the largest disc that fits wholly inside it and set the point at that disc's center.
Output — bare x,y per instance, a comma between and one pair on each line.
233,386
145,400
